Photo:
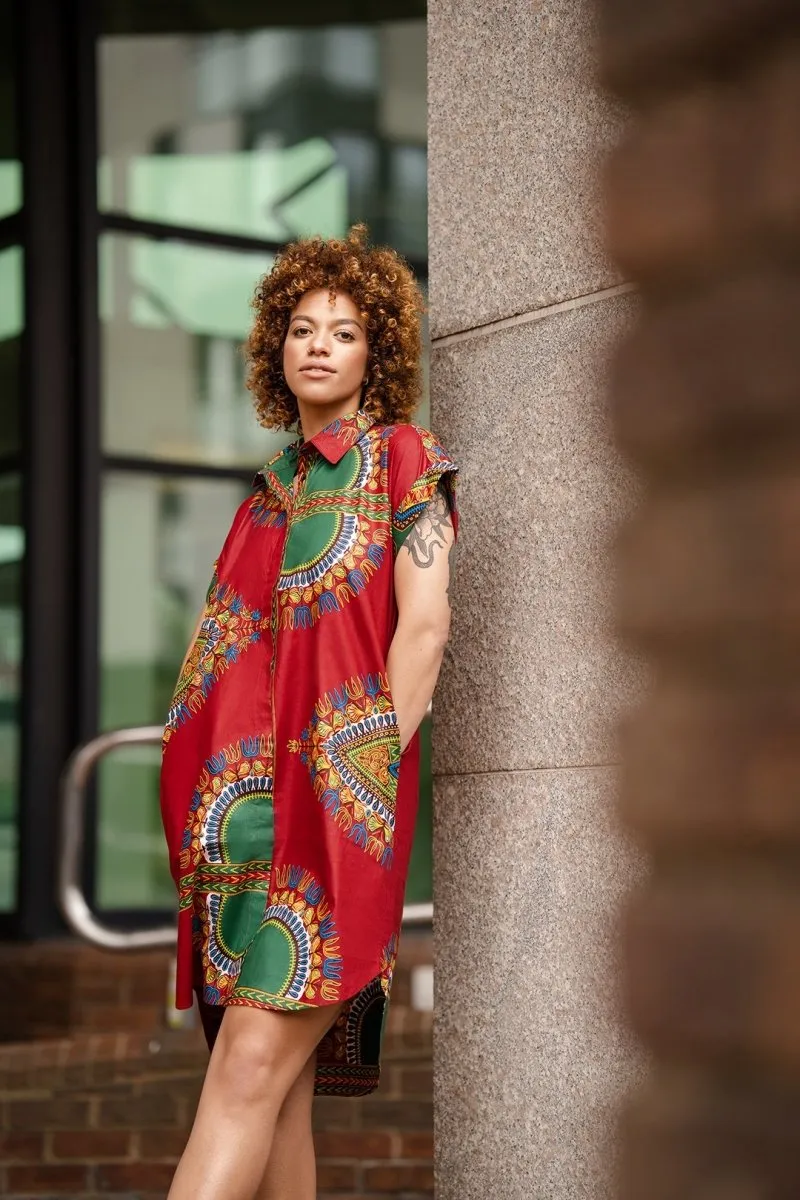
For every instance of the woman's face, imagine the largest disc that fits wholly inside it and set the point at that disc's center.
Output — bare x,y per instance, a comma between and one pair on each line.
325,352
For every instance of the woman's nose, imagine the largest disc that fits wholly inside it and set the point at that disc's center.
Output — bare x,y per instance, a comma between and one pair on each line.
319,345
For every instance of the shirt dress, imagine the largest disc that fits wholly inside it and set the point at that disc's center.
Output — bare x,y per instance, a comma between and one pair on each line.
288,810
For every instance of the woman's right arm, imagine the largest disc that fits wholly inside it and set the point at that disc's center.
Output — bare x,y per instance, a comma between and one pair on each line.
192,640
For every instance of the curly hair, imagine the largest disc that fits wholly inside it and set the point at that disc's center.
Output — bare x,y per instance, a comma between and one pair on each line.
385,292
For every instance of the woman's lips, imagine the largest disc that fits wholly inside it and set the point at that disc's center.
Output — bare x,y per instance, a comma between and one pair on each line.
317,372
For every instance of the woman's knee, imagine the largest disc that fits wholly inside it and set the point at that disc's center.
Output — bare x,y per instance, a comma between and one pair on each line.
260,1054
251,1064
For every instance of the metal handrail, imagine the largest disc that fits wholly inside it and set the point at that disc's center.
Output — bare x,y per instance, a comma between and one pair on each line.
71,898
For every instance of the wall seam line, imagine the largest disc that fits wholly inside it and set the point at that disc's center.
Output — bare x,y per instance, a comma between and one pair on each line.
597,766
536,314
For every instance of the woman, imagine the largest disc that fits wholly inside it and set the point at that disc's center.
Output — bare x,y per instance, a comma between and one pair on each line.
291,755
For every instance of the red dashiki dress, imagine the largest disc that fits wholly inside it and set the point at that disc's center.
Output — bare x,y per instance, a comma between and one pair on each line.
288,811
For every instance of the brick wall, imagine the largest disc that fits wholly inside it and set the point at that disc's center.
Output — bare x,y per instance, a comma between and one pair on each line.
99,1098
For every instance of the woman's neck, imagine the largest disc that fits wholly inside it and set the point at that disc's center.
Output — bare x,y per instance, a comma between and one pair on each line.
314,418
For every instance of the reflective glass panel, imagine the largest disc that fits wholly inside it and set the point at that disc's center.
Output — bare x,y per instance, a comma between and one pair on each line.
12,548
174,318
11,322
10,168
160,538
273,133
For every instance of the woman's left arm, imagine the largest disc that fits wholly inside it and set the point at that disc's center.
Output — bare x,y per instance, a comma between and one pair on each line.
422,580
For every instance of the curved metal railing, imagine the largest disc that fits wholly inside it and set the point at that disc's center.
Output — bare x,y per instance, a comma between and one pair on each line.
76,909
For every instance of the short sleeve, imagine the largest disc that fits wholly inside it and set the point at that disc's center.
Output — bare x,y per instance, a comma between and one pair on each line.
417,465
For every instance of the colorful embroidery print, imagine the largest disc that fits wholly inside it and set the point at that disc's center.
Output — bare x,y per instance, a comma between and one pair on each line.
388,959
294,959
230,815
224,860
349,1056
228,628
440,466
352,750
337,541
266,511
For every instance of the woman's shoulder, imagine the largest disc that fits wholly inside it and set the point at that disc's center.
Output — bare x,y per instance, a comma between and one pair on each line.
409,437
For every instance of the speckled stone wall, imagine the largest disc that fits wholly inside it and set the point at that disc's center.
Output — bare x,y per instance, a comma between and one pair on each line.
529,864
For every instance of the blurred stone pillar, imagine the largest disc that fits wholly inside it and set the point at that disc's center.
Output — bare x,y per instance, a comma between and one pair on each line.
705,216
529,867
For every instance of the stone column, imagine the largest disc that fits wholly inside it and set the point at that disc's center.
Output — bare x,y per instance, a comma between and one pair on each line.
529,865
705,215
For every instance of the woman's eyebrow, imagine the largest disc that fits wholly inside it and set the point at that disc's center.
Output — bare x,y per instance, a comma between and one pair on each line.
338,321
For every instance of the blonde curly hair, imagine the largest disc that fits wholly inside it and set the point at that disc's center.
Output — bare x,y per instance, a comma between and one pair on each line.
385,292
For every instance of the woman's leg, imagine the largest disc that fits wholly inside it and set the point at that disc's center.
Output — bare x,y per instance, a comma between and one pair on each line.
291,1172
256,1058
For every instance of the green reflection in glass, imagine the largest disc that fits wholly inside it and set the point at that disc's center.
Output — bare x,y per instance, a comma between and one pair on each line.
202,289
174,319
160,538
272,194
419,888
11,555
156,285
10,187
275,133
132,866
11,322
11,293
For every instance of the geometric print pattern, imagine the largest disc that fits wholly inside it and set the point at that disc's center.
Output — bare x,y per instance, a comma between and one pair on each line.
349,1057
230,816
337,541
441,468
261,939
227,629
299,945
351,747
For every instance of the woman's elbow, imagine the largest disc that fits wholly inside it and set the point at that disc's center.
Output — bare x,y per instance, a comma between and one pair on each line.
427,627
437,633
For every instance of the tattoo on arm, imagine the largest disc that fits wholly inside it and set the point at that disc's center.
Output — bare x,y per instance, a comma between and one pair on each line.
428,533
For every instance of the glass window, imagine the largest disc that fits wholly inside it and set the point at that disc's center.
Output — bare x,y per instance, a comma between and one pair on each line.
12,538
11,322
12,546
10,168
274,133
174,318
160,537
132,868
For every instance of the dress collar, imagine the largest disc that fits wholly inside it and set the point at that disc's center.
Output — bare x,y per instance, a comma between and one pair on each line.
332,442
339,436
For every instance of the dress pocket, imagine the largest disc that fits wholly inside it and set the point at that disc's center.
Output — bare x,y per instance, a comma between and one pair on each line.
351,747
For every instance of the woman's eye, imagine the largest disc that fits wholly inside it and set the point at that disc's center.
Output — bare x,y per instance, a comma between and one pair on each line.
348,337
298,329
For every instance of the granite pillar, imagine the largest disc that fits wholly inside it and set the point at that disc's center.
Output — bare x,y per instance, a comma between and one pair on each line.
530,865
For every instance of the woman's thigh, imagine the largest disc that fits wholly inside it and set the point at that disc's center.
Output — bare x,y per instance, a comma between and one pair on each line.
259,1050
